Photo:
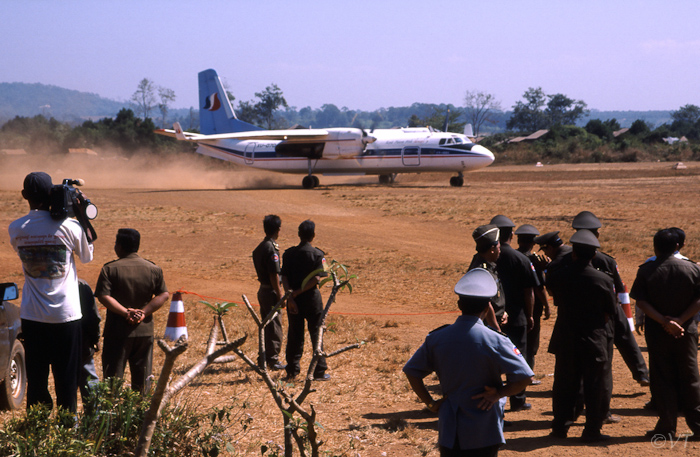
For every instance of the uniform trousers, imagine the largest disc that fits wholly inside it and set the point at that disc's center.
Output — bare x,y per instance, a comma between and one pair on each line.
295,338
137,352
267,298
673,368
627,346
533,336
55,347
588,363
518,335
489,451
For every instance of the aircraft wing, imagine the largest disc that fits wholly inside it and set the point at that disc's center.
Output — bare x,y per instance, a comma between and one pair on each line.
290,136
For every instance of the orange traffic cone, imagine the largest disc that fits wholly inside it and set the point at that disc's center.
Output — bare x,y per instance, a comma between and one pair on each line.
175,327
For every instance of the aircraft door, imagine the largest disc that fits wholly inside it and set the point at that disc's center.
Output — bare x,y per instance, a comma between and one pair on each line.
249,153
410,156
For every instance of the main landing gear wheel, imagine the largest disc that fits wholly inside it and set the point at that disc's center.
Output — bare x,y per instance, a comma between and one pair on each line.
456,181
309,182
387,179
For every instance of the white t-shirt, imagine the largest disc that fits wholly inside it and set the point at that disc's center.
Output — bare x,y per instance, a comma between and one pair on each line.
46,246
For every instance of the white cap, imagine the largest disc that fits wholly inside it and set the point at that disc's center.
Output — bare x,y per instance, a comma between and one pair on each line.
477,283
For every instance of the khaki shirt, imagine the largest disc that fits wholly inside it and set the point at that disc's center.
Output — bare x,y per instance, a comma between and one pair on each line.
133,282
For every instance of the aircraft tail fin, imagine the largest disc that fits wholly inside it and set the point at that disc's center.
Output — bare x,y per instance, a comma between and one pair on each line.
468,131
216,114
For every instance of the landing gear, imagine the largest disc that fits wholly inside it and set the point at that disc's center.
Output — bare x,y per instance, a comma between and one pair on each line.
457,181
387,179
310,181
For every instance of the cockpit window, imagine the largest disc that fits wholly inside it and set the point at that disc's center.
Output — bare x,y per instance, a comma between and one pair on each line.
442,141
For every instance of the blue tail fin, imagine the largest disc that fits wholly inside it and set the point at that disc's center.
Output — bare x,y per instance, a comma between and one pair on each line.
215,112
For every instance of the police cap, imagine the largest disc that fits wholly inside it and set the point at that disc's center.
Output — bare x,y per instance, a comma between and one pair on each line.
502,221
527,229
486,235
586,220
477,283
586,238
549,239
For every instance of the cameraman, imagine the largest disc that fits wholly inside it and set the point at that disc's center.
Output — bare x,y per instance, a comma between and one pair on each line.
50,308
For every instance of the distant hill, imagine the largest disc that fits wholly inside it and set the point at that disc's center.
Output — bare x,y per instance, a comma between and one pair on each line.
27,100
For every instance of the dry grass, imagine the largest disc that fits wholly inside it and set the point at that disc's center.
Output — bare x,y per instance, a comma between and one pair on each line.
408,243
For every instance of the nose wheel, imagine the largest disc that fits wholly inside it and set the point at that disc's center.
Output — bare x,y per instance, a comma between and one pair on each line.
457,181
310,181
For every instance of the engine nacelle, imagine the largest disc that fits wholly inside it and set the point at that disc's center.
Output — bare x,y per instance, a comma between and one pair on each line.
346,143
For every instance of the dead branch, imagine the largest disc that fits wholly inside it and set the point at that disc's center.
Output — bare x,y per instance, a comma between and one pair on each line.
163,393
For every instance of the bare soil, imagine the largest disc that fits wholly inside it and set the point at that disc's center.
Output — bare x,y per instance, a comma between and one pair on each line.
408,243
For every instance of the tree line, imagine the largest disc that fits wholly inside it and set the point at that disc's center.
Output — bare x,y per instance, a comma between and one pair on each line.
132,129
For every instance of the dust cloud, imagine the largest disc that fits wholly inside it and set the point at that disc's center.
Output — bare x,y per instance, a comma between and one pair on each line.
112,170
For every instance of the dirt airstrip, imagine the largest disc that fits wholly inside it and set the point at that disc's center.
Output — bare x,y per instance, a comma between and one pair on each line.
408,243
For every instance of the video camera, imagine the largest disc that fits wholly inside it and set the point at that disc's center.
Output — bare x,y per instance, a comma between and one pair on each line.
67,201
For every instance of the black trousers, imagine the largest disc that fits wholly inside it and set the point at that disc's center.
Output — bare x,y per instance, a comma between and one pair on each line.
137,352
273,332
587,363
489,451
518,335
673,368
627,346
55,347
533,336
295,338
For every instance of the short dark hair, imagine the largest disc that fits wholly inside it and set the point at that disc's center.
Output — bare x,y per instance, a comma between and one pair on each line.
472,305
680,234
506,233
485,247
307,230
271,224
665,243
129,239
584,252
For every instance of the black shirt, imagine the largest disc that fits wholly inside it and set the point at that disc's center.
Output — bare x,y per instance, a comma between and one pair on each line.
516,274
266,258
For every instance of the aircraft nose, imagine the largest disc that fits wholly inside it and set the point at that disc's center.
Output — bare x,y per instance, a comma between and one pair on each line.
484,152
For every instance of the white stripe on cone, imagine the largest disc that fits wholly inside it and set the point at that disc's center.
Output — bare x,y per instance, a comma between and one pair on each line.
176,327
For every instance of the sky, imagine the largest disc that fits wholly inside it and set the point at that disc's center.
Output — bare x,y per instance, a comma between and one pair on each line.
613,54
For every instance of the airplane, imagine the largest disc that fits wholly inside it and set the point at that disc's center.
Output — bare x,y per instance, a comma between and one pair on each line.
329,151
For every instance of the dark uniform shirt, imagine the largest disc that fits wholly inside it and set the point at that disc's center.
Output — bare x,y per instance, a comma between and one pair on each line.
133,282
669,285
266,258
516,274
586,299
297,263
499,301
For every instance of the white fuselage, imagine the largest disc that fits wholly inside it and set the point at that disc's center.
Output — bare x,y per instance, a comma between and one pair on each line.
347,151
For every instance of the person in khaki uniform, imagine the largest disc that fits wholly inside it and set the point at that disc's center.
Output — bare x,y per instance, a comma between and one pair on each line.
132,289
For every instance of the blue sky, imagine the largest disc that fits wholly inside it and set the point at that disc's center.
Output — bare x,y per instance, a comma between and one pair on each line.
614,55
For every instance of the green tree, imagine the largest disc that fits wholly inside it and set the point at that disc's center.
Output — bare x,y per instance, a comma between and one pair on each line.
562,110
600,129
269,101
480,107
687,113
144,99
529,115
639,128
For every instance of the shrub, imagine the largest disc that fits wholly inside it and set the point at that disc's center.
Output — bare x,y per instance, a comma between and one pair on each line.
110,425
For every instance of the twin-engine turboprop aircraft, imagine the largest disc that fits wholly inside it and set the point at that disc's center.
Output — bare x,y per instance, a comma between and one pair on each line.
331,151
